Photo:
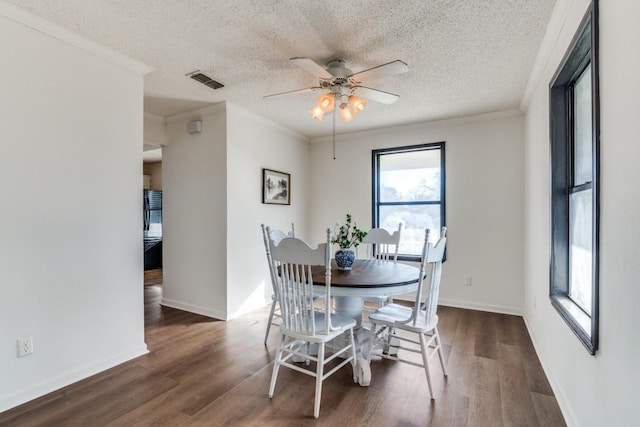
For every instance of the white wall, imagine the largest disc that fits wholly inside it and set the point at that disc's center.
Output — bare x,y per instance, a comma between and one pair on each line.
214,261
484,160
154,170
70,184
254,143
602,389
155,131
194,168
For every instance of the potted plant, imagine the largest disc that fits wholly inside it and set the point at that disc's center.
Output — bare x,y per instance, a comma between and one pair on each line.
346,236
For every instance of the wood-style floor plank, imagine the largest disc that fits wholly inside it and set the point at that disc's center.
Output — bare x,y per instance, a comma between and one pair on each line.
204,372
547,410
485,406
517,402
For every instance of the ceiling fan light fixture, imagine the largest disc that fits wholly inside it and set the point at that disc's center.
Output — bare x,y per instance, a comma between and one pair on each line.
316,113
357,104
326,102
346,115
341,86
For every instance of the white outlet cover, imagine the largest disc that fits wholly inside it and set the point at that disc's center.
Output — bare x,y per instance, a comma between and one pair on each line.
25,346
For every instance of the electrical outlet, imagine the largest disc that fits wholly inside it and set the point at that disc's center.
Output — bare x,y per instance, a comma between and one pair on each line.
467,280
25,346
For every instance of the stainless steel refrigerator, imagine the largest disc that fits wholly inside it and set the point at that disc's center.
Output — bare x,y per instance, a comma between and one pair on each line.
152,229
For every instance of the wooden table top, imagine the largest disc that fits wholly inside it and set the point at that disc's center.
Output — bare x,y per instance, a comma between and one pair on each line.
368,274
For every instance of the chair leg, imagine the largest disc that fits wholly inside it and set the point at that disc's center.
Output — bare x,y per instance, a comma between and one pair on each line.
387,346
354,356
425,360
319,375
440,352
372,341
273,310
276,366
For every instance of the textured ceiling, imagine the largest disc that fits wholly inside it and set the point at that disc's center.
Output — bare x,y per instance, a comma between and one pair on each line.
465,56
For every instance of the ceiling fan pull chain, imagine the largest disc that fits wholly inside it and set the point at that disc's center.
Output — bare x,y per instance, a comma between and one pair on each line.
334,135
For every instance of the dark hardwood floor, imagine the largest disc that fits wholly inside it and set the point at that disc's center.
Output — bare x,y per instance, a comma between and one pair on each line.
212,373
153,277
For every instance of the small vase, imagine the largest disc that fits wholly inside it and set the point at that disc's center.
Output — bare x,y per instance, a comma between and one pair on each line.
345,259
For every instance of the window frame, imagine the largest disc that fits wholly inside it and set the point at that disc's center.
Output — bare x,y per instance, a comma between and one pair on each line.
583,51
375,186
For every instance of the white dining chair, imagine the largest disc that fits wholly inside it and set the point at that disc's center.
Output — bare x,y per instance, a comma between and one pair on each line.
275,236
290,264
382,245
420,322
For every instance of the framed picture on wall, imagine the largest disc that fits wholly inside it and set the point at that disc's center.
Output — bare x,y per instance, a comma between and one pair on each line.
276,187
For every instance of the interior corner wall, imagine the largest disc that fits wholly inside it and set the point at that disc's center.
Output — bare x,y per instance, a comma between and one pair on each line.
484,202
194,168
155,131
154,170
602,389
71,267
254,143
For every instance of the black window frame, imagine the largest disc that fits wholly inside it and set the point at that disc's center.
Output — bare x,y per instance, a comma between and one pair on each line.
582,52
375,190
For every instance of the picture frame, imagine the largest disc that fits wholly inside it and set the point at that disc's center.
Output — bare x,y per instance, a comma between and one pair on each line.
276,187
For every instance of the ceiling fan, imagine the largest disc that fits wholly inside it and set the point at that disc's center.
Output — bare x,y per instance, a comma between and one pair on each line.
345,87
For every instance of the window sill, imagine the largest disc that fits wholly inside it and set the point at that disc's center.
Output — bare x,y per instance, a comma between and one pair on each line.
576,318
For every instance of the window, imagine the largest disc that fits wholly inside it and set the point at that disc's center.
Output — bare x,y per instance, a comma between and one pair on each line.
408,188
574,121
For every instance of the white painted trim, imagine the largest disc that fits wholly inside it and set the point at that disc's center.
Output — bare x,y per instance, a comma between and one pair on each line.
549,42
215,314
197,113
55,31
155,118
38,390
480,307
237,312
150,145
455,121
267,122
561,397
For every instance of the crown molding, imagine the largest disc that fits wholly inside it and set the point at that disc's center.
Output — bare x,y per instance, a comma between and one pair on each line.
55,31
550,40
268,123
197,113
454,121
154,118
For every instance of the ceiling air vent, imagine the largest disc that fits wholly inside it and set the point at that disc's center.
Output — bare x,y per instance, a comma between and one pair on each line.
205,80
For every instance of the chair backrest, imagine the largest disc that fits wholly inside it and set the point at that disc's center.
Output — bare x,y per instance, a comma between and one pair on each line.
384,243
266,239
291,262
277,235
432,255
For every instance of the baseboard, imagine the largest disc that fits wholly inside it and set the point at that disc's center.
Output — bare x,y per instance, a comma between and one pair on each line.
197,309
561,397
38,390
236,312
480,307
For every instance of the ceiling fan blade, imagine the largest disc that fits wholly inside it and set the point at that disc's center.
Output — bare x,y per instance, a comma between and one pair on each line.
312,67
375,95
291,92
384,70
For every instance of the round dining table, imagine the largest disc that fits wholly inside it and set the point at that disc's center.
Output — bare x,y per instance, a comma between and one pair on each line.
367,278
